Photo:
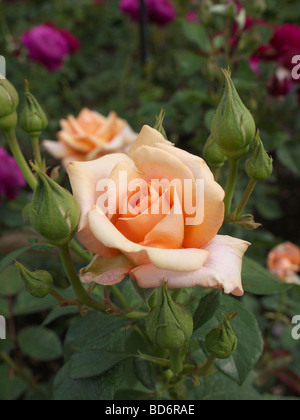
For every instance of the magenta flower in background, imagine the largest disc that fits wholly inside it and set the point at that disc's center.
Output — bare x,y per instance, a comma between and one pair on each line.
286,43
280,84
11,178
160,12
49,45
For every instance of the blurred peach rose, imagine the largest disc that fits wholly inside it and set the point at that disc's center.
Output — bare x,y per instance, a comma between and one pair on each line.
284,262
154,247
90,136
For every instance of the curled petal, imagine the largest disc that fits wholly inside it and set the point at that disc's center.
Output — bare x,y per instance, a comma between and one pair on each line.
222,269
106,271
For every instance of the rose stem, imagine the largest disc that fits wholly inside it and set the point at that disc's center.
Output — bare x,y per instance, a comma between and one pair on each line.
18,155
231,184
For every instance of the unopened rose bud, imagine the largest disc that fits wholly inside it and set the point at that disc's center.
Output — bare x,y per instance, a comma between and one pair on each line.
169,325
38,283
233,127
9,100
54,212
212,154
259,166
221,342
33,119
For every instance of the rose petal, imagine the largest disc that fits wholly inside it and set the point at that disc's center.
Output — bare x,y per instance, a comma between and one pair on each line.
106,271
221,270
167,259
169,233
57,149
196,236
147,137
84,177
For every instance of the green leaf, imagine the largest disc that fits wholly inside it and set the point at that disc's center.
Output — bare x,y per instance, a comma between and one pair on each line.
99,388
93,363
58,313
145,373
218,387
27,304
96,331
144,294
10,281
197,34
289,156
207,307
259,281
40,344
250,342
11,257
11,385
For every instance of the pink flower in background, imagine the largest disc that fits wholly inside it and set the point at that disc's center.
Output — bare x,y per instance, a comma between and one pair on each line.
284,262
160,12
280,84
49,45
11,178
286,43
192,17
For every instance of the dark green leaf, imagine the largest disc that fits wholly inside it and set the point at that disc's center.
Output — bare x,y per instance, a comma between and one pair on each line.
93,363
259,281
145,373
27,304
100,388
10,281
40,344
94,332
250,342
207,307
11,385
60,312
144,294
196,33
8,259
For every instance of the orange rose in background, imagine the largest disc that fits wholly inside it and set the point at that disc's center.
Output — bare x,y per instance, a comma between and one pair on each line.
90,136
284,262
179,247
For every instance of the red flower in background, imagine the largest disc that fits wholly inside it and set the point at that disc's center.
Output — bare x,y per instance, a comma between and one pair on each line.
11,178
280,84
49,45
160,12
286,44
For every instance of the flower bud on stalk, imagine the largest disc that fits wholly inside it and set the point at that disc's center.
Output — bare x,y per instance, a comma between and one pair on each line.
170,326
233,127
33,119
9,101
38,283
221,342
212,154
259,166
54,212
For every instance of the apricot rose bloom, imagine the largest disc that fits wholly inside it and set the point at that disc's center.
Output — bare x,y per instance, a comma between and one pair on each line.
284,262
155,247
90,136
